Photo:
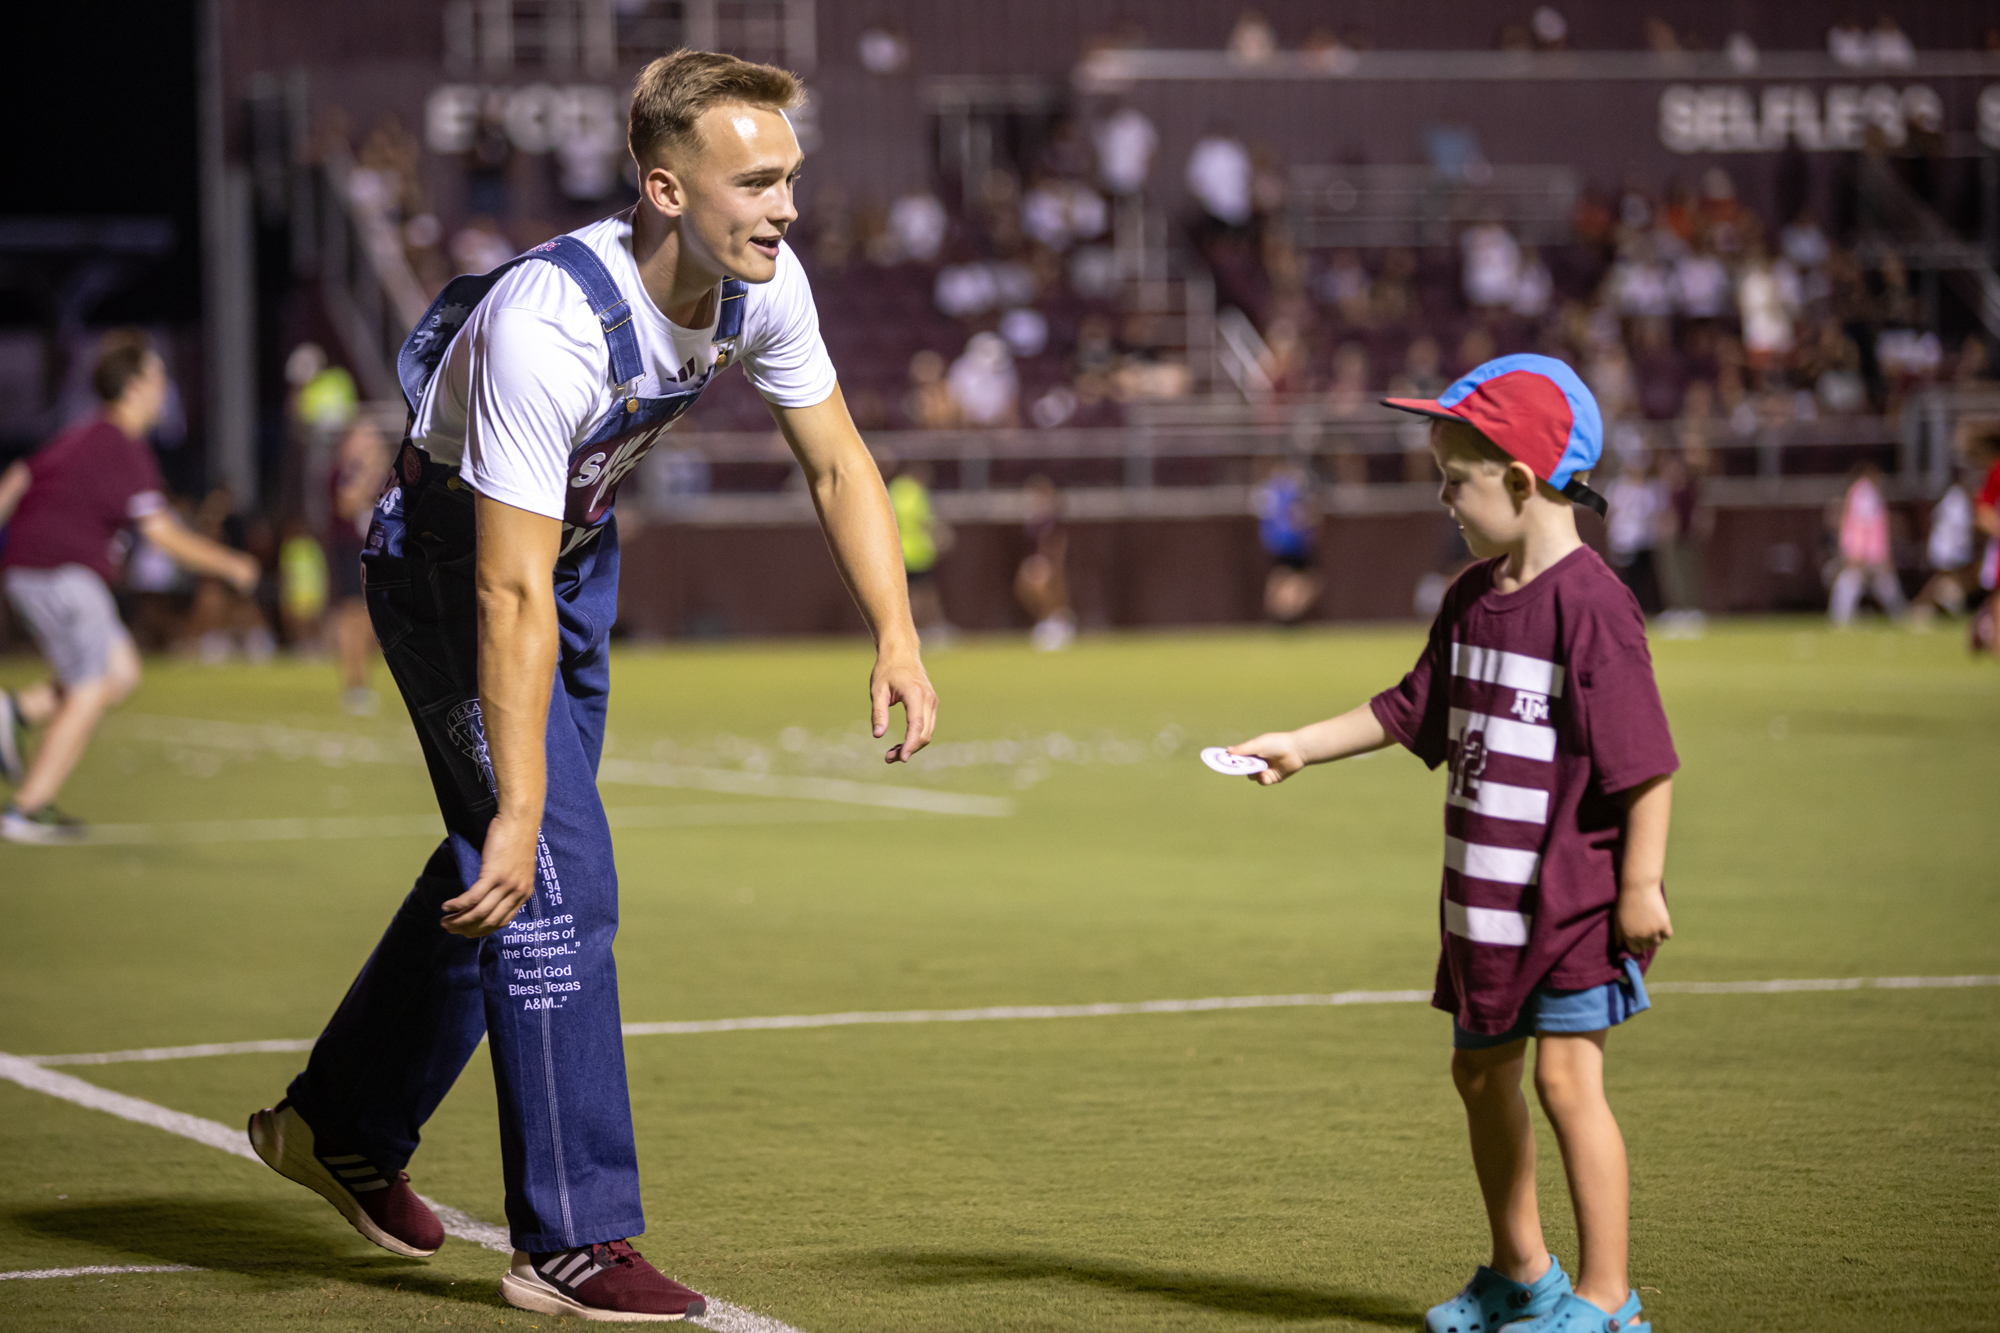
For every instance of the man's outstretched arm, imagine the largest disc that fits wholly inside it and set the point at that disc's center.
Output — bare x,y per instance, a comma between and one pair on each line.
517,663
861,528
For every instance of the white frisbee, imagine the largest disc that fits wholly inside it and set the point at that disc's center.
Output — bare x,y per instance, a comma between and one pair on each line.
1234,765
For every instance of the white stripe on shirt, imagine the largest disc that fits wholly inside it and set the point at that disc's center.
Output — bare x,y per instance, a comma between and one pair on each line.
1506,736
1501,865
1511,670
1501,800
1486,925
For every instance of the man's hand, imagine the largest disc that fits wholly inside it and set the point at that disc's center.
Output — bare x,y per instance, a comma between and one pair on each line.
1279,749
1641,919
244,573
507,875
901,680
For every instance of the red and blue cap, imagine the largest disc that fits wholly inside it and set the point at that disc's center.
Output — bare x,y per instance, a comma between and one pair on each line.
1533,407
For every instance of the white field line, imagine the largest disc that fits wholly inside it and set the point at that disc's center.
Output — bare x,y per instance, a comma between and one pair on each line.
634,772
93,1270
338,749
721,1316
999,1013
430,826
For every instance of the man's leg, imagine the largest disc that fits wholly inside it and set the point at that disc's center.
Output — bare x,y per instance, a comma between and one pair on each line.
1569,1078
551,992
403,1033
72,723
1503,1155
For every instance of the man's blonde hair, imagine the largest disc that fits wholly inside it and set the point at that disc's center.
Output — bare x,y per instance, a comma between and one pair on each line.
674,91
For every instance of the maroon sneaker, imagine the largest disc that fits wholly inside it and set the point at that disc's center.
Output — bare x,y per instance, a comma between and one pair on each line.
604,1281
384,1209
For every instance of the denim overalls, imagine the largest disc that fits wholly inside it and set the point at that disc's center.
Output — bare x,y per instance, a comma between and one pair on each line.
544,989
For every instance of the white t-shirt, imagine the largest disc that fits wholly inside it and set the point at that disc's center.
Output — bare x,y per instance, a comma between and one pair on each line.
528,378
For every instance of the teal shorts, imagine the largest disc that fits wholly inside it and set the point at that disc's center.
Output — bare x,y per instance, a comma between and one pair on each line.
1590,1010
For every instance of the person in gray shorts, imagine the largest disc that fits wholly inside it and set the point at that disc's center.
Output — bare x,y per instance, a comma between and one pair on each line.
68,504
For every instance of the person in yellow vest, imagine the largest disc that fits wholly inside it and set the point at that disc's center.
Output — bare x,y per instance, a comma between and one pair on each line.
925,538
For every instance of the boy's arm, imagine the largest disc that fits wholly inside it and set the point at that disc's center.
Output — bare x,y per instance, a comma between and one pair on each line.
1641,918
13,485
1357,731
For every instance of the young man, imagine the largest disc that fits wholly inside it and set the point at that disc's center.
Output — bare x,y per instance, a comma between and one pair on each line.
1537,689
68,504
492,581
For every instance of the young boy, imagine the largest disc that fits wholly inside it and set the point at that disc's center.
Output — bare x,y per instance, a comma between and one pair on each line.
1537,689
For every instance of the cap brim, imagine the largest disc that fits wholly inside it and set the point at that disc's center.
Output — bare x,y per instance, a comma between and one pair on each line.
1423,407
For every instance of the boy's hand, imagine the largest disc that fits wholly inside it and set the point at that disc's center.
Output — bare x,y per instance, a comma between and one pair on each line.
1642,920
1279,749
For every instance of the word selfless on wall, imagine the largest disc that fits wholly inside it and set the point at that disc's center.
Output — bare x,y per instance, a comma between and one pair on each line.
1735,119
537,118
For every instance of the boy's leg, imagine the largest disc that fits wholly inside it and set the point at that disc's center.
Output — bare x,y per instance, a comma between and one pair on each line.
1569,1079
1503,1154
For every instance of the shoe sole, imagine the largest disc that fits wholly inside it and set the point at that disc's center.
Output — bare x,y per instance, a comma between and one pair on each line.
35,835
291,1156
525,1293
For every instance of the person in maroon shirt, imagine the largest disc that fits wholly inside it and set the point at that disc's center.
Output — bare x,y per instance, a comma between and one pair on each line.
68,504
1537,690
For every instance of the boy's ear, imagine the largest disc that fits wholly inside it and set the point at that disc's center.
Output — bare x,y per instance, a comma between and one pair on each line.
1520,480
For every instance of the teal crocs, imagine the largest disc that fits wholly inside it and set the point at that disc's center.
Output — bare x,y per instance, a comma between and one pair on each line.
1573,1314
1490,1300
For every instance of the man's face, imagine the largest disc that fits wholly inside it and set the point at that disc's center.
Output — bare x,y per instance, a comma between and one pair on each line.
1484,497
146,394
734,190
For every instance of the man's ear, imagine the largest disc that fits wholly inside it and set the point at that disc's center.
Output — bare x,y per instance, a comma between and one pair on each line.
663,190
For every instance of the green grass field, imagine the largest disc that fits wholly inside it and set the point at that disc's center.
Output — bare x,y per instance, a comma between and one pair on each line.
1815,1160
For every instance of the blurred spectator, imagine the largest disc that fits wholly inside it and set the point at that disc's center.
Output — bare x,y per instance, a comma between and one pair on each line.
1865,559
1951,552
1549,28
1287,525
480,246
1889,47
1701,284
1422,376
983,383
1391,296
1973,362
224,620
925,538
918,225
967,290
1682,536
929,405
1803,243
1638,503
1058,213
301,587
1740,52
1847,42
325,396
1218,175
1126,141
1609,373
1344,285
1766,309
1041,584
1025,331
882,49
1252,40
360,469
1491,265
1536,289
1642,285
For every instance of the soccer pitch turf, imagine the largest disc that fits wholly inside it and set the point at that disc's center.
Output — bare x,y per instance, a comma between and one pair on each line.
1819,1160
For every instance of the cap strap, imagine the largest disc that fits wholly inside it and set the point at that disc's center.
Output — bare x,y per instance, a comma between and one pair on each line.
1581,494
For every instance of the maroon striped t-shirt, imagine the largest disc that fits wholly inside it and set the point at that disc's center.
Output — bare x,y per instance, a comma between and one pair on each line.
1542,702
